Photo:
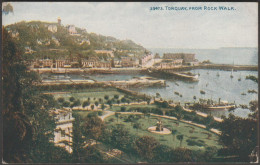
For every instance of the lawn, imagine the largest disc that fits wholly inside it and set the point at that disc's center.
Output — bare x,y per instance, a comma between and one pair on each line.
118,108
94,94
199,135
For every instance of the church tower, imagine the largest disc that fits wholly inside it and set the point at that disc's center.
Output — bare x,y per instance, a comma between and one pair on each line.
59,21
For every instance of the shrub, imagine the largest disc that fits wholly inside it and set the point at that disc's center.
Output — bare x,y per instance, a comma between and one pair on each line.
71,99
61,99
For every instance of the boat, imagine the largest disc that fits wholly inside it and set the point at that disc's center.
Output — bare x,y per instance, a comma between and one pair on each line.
239,79
243,94
187,75
231,76
177,93
176,83
221,105
202,92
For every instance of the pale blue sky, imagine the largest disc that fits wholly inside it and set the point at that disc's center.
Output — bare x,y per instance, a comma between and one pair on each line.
152,29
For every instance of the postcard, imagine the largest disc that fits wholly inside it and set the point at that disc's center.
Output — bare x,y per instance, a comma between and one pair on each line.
130,82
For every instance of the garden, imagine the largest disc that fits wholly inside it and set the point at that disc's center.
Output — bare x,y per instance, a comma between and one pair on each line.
183,135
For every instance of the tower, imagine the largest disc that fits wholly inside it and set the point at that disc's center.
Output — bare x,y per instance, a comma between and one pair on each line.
59,21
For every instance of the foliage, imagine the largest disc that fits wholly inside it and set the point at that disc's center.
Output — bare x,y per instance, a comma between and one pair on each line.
92,127
85,103
239,135
253,78
146,147
121,138
27,124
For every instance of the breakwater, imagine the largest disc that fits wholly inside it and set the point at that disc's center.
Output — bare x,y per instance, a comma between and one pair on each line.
216,66
135,82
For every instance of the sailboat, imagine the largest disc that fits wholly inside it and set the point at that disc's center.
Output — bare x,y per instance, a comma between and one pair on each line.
239,79
231,76
218,74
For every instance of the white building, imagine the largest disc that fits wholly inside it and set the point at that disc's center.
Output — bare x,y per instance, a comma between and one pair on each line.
52,28
72,29
64,127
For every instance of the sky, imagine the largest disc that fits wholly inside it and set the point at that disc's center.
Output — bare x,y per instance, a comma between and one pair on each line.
194,29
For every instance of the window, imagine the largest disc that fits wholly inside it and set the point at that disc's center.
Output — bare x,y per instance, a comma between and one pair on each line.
62,133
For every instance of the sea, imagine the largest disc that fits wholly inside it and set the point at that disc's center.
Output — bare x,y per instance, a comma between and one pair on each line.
236,56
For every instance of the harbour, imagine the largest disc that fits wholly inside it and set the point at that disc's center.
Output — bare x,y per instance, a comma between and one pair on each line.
215,86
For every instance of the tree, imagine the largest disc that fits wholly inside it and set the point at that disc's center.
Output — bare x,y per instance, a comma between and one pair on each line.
92,106
179,117
61,100
181,155
66,104
117,115
96,103
120,138
174,132
123,109
146,147
253,107
209,121
72,99
123,100
103,106
239,135
109,102
180,138
85,103
137,126
106,97
26,135
92,127
116,96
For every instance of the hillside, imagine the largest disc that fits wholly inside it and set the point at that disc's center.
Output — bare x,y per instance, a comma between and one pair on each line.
54,40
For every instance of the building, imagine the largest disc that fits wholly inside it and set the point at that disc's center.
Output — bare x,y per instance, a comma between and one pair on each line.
254,156
185,56
59,21
83,41
71,29
15,34
146,58
108,52
55,40
53,28
64,127
60,63
47,63
28,50
103,64
167,64
89,63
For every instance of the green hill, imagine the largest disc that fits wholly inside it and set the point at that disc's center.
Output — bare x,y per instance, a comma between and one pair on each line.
55,43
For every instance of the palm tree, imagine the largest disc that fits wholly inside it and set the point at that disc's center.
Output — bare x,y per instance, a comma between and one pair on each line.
137,126
117,115
96,103
85,103
174,132
180,138
179,117
103,106
92,106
